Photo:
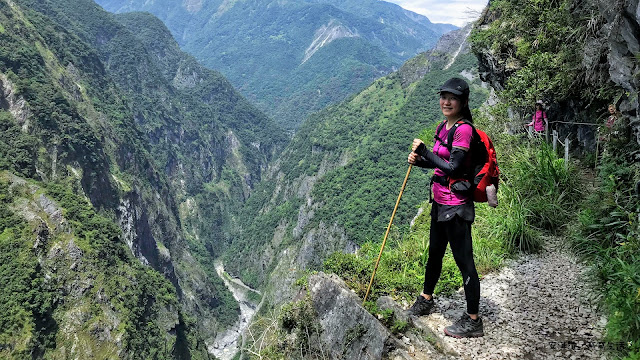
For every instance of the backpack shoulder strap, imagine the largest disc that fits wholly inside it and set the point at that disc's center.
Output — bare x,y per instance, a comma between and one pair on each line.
438,129
453,131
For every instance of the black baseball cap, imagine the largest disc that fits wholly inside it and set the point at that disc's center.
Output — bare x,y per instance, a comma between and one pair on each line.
455,86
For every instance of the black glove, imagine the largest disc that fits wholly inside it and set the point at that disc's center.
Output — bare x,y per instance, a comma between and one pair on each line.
421,161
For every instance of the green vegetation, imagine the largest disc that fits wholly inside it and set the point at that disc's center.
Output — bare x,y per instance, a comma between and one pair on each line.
140,294
356,153
195,140
291,333
540,191
33,281
26,303
608,237
73,132
103,116
17,149
537,44
389,319
548,50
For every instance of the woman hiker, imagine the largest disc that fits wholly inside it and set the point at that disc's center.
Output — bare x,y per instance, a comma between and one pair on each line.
539,119
452,212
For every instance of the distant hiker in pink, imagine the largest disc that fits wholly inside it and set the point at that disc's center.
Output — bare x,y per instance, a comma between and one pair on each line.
539,119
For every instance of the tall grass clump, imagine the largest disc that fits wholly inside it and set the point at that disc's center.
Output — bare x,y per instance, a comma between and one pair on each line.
607,236
538,192
547,187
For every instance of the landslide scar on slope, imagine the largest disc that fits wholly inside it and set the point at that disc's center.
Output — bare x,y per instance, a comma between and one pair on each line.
325,35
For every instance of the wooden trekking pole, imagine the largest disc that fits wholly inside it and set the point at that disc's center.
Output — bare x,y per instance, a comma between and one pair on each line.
595,165
404,183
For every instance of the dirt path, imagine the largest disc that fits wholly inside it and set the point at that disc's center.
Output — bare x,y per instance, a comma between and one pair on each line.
536,307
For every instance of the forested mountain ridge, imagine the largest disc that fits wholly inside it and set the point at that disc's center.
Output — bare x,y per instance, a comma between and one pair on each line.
294,57
335,185
116,146
67,269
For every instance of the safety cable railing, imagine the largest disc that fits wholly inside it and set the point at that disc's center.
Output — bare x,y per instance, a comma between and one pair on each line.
566,143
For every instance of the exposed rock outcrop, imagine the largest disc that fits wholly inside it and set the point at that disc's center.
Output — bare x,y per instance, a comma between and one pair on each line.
623,41
348,330
448,48
325,35
16,105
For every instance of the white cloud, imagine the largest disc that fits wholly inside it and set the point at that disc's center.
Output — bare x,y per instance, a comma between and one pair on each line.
457,12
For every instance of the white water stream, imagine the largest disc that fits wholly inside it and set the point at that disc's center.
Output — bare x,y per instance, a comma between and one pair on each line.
226,344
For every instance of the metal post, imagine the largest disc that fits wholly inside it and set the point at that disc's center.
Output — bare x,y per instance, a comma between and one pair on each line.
566,153
546,133
555,141
595,165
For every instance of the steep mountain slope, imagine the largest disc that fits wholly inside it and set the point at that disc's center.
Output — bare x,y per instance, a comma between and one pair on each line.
294,57
336,183
71,288
160,147
70,285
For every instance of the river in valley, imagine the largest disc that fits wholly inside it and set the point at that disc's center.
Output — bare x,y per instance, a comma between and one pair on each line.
227,343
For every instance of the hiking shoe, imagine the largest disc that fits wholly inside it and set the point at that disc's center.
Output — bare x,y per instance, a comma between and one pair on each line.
465,327
421,307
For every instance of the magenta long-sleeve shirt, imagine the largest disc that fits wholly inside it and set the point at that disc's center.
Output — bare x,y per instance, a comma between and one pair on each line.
461,138
538,120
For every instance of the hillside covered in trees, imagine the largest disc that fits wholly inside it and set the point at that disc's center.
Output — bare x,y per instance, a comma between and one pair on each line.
127,168
292,58
113,147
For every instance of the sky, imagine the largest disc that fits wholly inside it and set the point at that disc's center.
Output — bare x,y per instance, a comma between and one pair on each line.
456,12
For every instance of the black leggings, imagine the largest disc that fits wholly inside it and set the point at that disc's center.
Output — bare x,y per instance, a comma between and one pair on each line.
457,232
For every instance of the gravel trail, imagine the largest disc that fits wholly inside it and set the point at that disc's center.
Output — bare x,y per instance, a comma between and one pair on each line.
536,307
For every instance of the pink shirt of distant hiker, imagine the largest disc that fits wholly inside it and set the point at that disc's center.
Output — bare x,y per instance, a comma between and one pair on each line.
461,138
538,120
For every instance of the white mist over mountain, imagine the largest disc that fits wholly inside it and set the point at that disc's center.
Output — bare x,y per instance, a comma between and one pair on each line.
456,12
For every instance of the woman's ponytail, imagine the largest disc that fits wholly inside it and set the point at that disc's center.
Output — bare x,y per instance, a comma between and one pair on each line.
466,112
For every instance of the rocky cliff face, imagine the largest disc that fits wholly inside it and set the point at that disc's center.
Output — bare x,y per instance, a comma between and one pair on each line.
449,47
160,145
327,320
76,311
622,38
608,54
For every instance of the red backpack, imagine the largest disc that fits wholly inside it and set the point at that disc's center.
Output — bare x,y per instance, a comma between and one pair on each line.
483,170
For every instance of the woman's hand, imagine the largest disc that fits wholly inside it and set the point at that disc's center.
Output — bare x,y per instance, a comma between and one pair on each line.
413,158
416,143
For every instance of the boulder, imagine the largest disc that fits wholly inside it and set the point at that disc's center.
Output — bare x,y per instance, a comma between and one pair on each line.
348,330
